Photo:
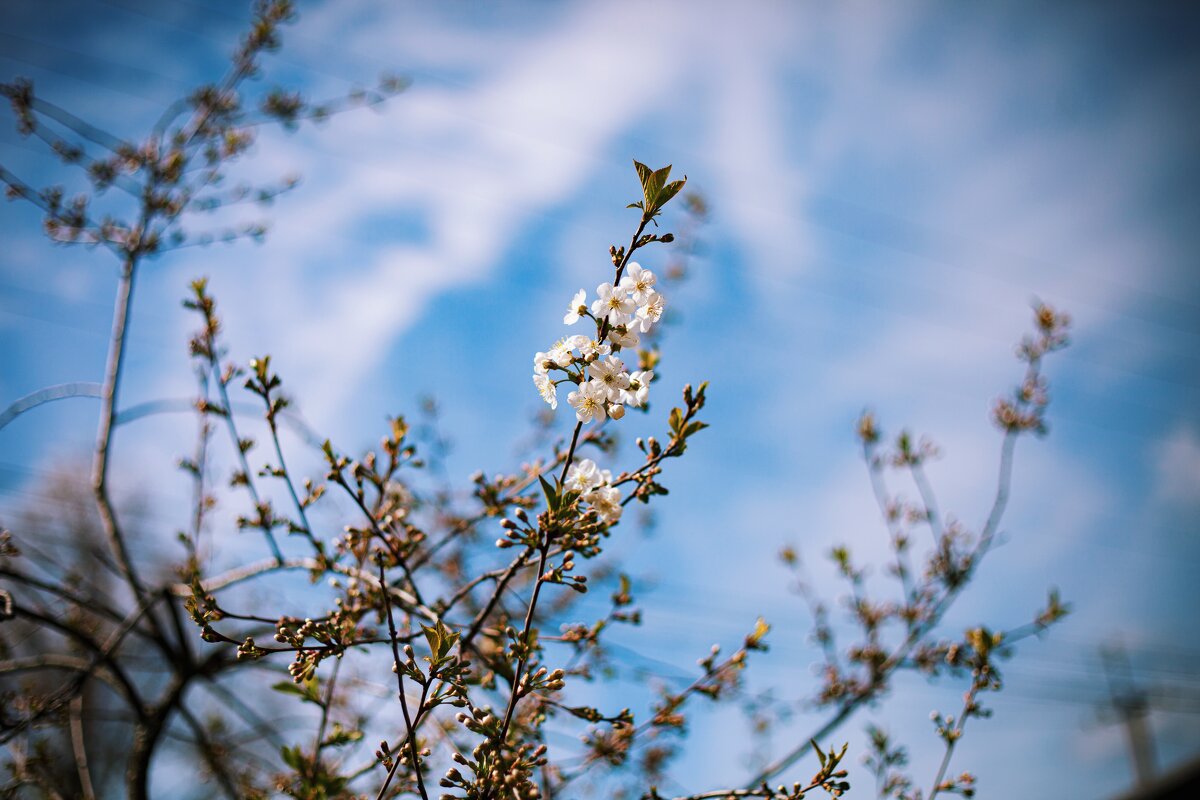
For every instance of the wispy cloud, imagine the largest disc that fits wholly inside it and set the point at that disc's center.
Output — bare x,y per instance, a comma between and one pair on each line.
1177,468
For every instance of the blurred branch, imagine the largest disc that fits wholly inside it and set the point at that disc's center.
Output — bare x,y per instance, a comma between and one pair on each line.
48,395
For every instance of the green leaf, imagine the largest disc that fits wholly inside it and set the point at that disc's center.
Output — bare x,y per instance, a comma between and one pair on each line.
287,687
551,494
434,637
308,690
653,185
448,642
676,420
643,172
293,757
568,498
441,640
820,753
669,191
448,639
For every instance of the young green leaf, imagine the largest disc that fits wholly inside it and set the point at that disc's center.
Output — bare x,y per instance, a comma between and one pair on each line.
552,499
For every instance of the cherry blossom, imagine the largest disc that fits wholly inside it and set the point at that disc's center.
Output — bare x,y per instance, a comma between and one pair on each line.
588,401
638,282
651,311
624,335
576,309
590,349
607,502
560,353
639,388
584,476
613,304
611,374
547,389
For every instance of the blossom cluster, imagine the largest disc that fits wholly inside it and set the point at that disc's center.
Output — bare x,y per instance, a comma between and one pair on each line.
604,386
596,489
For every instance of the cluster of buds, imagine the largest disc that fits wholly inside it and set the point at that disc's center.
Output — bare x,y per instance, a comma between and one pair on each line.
507,774
541,680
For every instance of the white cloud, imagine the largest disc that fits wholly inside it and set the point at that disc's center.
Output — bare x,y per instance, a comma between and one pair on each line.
1177,464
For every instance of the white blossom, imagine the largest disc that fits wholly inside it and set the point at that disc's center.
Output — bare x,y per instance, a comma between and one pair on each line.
576,309
616,410
584,476
639,388
588,401
613,303
624,335
638,282
610,373
560,353
651,311
540,361
607,502
590,349
547,389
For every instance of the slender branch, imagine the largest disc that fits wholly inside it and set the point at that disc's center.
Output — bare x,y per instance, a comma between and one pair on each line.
79,747
199,467
231,426
879,489
326,705
60,391
481,617
562,477
408,722
287,479
85,129
928,499
108,415
954,735
525,632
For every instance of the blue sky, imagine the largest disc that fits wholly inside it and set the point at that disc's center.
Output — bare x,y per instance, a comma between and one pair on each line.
891,185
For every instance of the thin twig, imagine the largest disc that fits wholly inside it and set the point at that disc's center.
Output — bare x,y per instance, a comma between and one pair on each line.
408,722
